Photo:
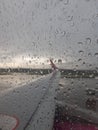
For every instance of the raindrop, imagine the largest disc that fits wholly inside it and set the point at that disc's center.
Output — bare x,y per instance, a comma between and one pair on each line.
50,44
96,54
96,84
91,76
77,66
96,69
59,61
72,83
70,18
97,41
79,59
89,54
81,52
90,65
72,24
88,40
41,72
43,63
30,61
84,63
63,33
80,43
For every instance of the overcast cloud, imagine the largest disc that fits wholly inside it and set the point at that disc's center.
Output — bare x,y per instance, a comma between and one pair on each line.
32,31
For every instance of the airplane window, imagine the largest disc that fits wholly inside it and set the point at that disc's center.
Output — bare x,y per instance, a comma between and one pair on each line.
49,64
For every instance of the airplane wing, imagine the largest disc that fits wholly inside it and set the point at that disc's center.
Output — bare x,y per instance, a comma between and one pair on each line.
30,106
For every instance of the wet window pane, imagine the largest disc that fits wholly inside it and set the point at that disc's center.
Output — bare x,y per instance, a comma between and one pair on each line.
48,64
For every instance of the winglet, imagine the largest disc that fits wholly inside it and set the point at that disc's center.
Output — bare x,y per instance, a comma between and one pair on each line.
53,65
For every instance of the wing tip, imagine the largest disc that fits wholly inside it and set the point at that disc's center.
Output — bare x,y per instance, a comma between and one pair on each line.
53,66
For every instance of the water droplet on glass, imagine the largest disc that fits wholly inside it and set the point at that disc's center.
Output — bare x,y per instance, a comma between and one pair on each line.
90,65
96,54
70,18
80,43
84,63
89,54
88,40
81,52
91,76
97,41
30,61
63,33
77,66
79,59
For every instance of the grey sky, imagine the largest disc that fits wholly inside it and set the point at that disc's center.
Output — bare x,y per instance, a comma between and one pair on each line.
61,29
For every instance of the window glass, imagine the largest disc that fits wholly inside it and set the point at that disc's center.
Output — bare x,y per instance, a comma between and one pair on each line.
35,34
